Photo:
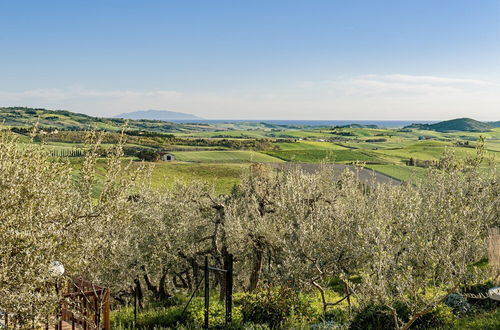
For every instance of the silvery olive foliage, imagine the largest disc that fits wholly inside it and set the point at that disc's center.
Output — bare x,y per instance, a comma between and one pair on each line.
426,237
46,216
410,244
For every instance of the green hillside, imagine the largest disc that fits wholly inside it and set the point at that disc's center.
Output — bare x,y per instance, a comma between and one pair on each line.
459,124
62,119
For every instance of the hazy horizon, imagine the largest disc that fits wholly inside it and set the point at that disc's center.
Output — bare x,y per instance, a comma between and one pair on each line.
259,60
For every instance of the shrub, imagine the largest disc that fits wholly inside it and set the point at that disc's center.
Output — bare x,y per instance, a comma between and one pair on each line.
216,315
160,317
148,155
373,317
441,317
273,306
337,315
379,317
326,325
458,303
175,300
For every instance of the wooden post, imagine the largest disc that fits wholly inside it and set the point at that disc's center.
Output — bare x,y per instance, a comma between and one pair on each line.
107,324
85,313
207,293
229,288
348,294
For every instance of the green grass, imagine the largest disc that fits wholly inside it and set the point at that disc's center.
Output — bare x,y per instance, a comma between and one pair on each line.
484,321
422,150
309,145
164,175
400,172
318,155
222,176
224,156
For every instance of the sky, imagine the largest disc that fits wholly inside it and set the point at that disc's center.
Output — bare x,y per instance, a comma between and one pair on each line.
255,59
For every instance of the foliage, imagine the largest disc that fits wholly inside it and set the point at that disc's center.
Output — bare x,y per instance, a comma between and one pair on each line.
441,317
486,320
148,155
373,317
273,306
379,317
47,217
410,245
458,303
150,318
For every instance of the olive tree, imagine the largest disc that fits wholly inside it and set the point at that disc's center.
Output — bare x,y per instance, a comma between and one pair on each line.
47,216
425,238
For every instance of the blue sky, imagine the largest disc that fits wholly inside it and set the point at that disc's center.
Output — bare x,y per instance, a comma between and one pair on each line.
427,60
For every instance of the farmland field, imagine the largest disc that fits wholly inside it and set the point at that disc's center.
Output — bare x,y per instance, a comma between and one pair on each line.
224,156
221,176
400,172
322,155
221,152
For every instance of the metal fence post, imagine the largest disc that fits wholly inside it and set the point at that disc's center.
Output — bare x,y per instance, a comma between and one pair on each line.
207,293
136,289
229,288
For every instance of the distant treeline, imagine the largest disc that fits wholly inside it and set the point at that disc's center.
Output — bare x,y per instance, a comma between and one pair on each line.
238,144
152,139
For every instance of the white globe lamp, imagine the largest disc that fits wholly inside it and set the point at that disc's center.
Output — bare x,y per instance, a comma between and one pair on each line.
57,269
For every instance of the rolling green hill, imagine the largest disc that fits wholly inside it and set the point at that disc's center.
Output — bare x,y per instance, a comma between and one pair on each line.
62,119
459,124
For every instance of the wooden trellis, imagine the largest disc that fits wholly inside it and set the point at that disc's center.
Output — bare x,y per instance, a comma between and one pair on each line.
85,306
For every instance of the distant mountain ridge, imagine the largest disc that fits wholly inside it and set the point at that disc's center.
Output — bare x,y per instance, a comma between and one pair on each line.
459,124
164,115
67,120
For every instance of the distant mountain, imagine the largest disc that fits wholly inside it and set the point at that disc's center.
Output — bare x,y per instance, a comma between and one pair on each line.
459,124
67,120
164,115
494,123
